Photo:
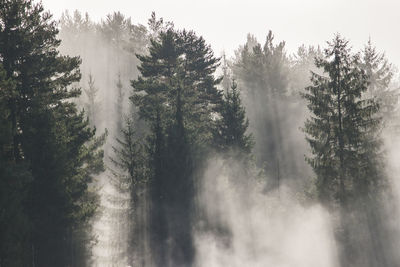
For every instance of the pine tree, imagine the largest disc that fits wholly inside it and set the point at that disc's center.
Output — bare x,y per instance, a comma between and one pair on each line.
302,65
234,124
48,135
343,125
226,74
129,158
131,174
119,105
263,73
92,105
176,94
14,179
380,74
342,133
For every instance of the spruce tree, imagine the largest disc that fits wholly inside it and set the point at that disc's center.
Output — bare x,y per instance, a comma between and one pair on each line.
343,124
380,74
234,124
131,174
129,158
342,133
92,105
176,94
48,135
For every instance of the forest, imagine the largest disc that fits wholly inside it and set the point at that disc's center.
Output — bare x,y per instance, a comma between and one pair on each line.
126,144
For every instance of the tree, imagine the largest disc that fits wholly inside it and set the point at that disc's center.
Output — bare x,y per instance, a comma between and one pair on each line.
47,134
342,125
132,173
92,106
303,63
119,106
116,28
263,73
342,134
14,179
233,124
380,74
176,94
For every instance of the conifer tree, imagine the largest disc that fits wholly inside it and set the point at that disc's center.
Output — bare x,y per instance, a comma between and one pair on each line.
263,73
129,158
176,94
92,106
48,135
131,173
119,106
342,133
234,124
380,74
14,180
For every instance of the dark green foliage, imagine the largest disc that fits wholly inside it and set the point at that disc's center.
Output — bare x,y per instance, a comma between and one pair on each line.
131,174
129,158
49,152
176,94
346,155
14,181
342,130
48,135
108,52
233,124
179,68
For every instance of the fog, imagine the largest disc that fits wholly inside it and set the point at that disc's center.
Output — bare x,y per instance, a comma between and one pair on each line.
237,218
258,229
199,134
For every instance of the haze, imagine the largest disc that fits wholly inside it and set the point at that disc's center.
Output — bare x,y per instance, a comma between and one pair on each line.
128,141
225,24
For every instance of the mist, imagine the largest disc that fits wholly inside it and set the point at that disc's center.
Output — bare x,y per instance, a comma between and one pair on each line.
270,219
251,219
258,229
143,146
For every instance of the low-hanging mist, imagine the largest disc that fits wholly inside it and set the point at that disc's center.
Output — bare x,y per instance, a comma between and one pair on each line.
248,227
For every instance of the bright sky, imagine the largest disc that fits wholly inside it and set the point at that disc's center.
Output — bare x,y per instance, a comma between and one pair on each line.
225,23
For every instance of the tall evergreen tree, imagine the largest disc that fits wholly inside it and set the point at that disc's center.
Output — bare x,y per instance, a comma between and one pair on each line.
380,74
131,172
233,124
92,105
226,74
177,95
119,108
343,124
342,133
263,73
47,134
14,181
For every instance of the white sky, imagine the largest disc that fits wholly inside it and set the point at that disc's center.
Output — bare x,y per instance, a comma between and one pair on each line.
225,23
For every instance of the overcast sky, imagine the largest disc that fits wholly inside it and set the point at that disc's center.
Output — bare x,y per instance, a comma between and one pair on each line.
225,23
